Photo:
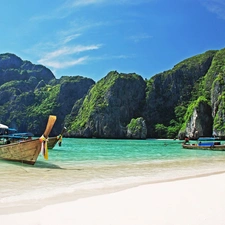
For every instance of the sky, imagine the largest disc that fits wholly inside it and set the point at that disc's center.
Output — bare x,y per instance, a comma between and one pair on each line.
90,38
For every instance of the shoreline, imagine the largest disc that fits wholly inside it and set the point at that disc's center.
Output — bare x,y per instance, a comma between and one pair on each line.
195,200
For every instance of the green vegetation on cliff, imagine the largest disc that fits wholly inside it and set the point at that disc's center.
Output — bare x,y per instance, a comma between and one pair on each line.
217,68
94,101
45,101
219,123
97,100
192,106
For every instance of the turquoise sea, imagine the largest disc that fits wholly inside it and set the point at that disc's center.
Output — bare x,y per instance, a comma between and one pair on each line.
86,167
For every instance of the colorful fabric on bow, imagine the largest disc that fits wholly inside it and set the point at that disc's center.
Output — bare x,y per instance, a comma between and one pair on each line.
44,146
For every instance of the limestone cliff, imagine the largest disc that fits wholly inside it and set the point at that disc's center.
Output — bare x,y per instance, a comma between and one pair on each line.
14,68
187,100
29,93
207,117
174,88
199,120
109,106
137,129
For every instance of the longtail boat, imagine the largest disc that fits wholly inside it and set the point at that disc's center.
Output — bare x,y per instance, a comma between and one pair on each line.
205,143
53,140
28,151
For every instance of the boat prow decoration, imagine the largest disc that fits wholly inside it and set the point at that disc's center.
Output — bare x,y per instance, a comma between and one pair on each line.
53,140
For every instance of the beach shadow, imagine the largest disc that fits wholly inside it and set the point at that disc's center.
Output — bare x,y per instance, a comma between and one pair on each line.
38,165
47,165
42,164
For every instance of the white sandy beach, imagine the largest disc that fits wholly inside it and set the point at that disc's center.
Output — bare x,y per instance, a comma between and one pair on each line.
196,201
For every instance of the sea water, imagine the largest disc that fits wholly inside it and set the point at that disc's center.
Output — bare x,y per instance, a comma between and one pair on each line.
86,167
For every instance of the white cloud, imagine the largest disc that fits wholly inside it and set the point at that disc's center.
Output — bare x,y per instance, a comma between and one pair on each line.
215,6
85,2
70,38
60,64
64,56
82,3
61,52
70,50
64,10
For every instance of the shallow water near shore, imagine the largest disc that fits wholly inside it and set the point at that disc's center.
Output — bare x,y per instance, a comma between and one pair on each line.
85,167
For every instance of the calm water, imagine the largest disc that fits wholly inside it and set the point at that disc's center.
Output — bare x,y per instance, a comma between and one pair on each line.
84,167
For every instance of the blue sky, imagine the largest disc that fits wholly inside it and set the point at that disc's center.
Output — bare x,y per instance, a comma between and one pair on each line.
92,37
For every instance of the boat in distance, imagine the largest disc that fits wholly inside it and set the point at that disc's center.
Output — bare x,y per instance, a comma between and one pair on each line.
205,143
27,151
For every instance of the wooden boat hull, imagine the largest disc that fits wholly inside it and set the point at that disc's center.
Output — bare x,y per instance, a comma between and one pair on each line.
24,152
27,151
211,148
52,142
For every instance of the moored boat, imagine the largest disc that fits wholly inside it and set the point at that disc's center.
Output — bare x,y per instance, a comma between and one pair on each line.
27,151
10,135
205,143
53,140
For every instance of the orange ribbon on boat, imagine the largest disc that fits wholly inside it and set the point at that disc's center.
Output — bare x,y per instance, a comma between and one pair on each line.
44,146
